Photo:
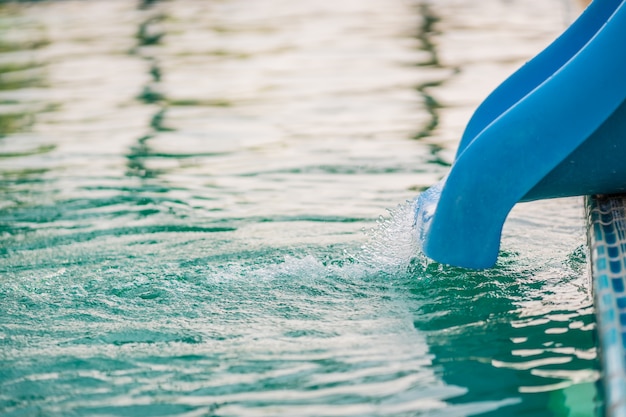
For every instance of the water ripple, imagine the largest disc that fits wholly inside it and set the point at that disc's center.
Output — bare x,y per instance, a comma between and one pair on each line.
190,215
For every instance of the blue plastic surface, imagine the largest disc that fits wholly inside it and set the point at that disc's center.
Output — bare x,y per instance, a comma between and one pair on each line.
555,128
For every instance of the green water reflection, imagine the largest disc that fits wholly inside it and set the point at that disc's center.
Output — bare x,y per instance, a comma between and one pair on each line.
185,187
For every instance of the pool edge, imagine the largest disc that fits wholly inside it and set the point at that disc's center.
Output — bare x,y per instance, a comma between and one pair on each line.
606,238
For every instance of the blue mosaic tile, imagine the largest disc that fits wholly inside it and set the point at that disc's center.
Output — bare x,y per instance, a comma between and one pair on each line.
606,225
608,316
603,280
597,232
605,218
616,268
601,264
610,238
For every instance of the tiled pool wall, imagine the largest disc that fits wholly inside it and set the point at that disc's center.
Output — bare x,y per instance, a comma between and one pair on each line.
606,222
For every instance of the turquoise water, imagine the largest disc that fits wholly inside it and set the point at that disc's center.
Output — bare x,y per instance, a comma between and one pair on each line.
207,211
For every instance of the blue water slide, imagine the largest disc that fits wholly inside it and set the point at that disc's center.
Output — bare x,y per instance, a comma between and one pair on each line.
555,128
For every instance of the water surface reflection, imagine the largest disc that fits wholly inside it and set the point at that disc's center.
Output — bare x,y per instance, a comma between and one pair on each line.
185,188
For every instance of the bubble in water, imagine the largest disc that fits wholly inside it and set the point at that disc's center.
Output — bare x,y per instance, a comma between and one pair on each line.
395,244
392,245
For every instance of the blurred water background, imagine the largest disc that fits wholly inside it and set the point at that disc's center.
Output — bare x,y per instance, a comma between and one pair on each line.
206,211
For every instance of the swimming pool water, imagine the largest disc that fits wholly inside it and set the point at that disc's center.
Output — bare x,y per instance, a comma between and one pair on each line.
207,211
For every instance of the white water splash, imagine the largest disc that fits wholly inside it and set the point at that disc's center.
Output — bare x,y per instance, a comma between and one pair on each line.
392,245
396,242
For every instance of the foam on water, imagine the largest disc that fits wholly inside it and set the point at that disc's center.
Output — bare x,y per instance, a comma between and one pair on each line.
392,245
380,332
298,337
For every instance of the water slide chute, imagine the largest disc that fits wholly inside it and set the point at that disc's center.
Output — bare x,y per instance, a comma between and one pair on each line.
554,128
